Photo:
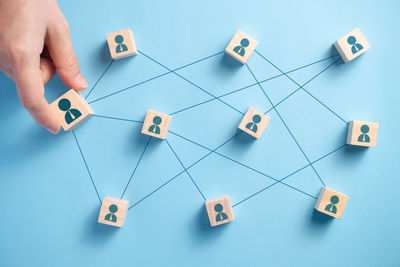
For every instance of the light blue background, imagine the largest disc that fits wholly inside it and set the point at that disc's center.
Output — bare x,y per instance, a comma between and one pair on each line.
48,203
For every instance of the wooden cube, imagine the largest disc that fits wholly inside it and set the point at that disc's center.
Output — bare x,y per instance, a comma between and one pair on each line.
331,202
219,211
113,211
156,124
352,45
241,47
121,44
71,109
361,133
254,123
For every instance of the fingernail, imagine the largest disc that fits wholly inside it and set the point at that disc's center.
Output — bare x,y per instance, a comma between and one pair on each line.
53,131
81,82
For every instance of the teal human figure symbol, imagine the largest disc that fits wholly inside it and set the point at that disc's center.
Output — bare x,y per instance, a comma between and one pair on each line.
221,216
155,128
240,49
364,136
252,126
111,216
355,47
119,39
71,114
332,206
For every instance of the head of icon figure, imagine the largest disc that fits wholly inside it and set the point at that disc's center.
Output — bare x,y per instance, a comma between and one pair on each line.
244,42
113,208
218,208
334,199
64,104
256,118
351,40
119,39
364,129
157,120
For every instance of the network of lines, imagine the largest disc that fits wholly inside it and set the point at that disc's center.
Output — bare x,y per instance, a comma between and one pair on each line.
215,150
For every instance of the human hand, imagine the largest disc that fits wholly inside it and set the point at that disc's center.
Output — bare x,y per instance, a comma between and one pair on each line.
34,44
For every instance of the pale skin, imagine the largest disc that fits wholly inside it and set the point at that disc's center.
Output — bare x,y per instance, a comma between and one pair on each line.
35,43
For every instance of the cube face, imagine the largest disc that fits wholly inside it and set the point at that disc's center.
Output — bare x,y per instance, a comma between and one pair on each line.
241,47
219,211
254,123
331,203
71,109
121,44
113,211
352,45
156,124
361,133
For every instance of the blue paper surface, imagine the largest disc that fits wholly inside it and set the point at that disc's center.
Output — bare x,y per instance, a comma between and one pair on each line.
50,185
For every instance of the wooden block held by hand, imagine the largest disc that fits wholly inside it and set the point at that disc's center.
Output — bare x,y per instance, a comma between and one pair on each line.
254,123
113,211
352,45
121,44
156,124
241,47
71,109
219,211
331,203
361,133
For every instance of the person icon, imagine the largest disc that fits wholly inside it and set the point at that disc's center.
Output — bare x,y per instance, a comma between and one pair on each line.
240,48
155,128
221,216
71,114
252,126
119,39
364,136
111,216
355,47
332,207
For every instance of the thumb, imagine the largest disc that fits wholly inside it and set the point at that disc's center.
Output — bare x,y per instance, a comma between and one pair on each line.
64,58
29,81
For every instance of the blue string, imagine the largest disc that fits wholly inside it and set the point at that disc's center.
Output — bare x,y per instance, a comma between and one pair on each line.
237,162
98,80
195,85
156,77
191,178
284,123
337,115
292,93
281,180
263,81
87,168
113,118
137,164
193,164
218,98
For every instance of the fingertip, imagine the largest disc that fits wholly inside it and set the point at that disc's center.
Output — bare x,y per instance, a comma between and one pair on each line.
80,82
49,121
54,129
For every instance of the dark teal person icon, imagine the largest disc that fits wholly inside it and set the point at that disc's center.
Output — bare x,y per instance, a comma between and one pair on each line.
119,39
71,114
111,216
252,126
240,48
355,47
364,136
155,128
332,207
221,216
